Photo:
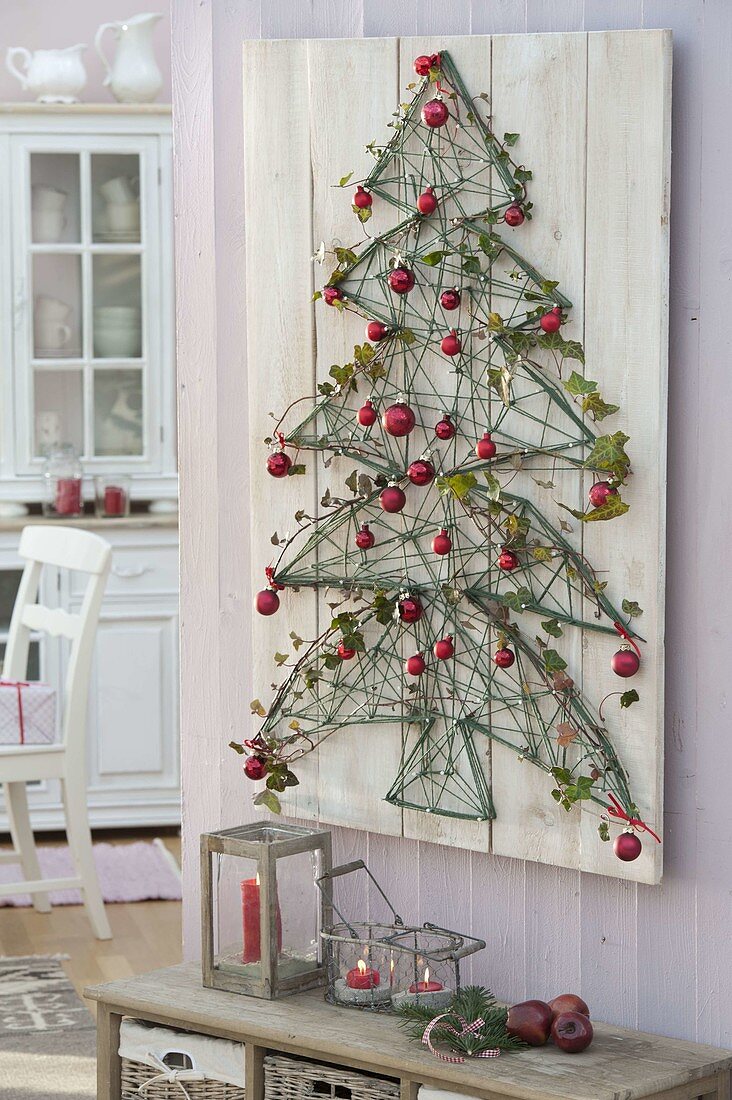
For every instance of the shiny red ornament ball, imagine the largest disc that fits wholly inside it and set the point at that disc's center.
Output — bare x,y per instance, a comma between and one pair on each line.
267,601
367,415
444,649
421,472
451,343
625,662
551,321
375,331
507,560
514,215
255,767
278,464
398,419
485,448
425,62
410,609
362,199
627,847
415,665
332,294
445,429
450,299
435,113
504,657
600,492
401,280
427,202
392,499
442,543
344,652
365,537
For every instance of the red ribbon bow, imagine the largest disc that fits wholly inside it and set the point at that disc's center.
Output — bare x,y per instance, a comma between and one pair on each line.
468,1029
281,440
617,811
18,685
627,638
269,574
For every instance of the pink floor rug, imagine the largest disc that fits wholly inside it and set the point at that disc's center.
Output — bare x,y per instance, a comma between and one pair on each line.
142,871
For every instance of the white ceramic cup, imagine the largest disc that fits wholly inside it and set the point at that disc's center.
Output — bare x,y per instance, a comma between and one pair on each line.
123,217
51,309
48,198
47,226
119,190
51,335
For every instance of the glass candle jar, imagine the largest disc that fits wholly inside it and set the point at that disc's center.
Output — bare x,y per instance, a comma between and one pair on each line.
62,480
112,496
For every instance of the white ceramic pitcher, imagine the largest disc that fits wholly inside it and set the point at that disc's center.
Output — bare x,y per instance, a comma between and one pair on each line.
134,76
53,76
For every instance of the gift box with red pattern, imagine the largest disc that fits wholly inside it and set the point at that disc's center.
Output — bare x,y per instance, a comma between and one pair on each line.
27,713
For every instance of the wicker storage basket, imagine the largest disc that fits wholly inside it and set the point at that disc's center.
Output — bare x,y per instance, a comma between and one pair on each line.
298,1079
135,1074
161,1063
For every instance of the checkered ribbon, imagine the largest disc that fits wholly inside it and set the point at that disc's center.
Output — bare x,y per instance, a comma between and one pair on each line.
468,1029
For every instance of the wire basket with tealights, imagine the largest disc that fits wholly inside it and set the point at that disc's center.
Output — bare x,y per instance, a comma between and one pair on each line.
385,965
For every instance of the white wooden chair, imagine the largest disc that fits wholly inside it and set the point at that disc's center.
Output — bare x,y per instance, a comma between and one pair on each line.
65,548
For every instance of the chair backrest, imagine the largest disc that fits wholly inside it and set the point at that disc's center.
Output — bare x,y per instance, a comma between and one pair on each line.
72,549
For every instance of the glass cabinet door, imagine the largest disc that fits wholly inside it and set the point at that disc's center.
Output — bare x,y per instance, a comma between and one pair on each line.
87,260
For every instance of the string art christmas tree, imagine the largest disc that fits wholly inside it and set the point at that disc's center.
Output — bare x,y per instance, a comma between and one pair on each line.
445,591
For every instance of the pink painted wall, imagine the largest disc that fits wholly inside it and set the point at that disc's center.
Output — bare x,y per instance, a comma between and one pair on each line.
658,958
55,24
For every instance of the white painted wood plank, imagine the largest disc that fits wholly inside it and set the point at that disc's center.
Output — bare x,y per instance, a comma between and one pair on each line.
626,348
314,19
498,893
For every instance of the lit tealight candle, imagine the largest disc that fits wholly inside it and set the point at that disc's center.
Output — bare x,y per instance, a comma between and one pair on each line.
428,993
426,986
363,977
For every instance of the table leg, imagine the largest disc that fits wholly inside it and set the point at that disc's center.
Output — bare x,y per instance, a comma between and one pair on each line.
254,1071
109,1085
724,1087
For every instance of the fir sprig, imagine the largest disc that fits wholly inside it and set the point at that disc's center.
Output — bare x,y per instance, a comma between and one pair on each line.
471,1003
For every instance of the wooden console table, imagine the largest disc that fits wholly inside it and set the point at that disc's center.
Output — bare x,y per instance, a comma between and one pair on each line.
620,1065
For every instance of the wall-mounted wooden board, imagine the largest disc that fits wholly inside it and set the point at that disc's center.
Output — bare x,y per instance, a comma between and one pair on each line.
593,113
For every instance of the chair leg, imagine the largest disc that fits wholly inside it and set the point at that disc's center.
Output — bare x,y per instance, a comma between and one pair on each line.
80,844
16,802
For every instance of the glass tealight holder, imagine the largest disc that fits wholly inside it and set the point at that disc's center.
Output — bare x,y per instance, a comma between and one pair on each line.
62,483
112,496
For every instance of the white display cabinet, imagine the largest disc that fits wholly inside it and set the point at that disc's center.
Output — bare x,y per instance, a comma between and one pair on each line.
86,222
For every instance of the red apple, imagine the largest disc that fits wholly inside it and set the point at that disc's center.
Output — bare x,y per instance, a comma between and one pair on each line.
572,1032
568,1002
530,1021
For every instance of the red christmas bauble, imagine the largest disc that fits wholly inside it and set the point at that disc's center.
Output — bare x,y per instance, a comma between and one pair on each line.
444,649
423,64
415,665
514,215
267,601
332,294
485,448
375,331
445,429
627,846
362,199
435,113
451,343
398,419
410,609
599,493
551,321
442,543
504,657
421,472
255,767
392,499
278,464
401,280
365,537
507,560
625,662
427,202
344,652
450,299
367,414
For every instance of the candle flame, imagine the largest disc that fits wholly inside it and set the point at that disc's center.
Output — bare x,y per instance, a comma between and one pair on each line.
257,879
426,975
391,966
361,966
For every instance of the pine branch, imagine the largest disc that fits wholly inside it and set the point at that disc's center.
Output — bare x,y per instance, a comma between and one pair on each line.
471,1003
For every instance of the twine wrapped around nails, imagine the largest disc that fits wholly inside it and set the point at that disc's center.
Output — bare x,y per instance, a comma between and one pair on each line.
172,1076
467,1029
616,811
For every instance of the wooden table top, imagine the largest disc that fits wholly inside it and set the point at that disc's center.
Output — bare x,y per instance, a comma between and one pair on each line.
620,1064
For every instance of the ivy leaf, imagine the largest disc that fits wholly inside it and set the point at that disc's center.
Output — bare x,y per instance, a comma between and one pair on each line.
560,682
344,180
519,601
522,175
568,349
363,354
495,322
597,408
609,454
471,265
494,486
236,747
317,296
487,246
566,734
510,139
553,662
365,485
631,608
297,641
280,658
552,627
326,389
270,800
611,509
432,259
345,256
549,286
296,470
332,661
577,385
363,213
603,830
458,484
351,482
256,708
542,553
628,698
406,336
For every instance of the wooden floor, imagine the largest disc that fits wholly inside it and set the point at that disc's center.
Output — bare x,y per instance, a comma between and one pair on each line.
146,934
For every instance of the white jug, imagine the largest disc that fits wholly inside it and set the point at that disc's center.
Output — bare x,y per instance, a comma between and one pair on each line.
54,76
134,77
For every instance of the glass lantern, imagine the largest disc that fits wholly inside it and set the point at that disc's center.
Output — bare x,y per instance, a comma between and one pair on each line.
261,910
112,496
62,483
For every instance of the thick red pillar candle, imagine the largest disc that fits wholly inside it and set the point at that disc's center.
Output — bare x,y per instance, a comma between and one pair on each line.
251,927
114,501
68,496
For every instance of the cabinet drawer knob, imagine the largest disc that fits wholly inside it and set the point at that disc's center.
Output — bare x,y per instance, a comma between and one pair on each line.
130,574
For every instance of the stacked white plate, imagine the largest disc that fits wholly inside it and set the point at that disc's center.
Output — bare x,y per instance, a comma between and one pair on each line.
117,332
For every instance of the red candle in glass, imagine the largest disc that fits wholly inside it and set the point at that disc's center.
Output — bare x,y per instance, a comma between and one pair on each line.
362,977
68,496
426,986
251,926
114,501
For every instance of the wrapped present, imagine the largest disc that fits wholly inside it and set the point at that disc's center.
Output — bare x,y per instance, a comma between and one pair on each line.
27,713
